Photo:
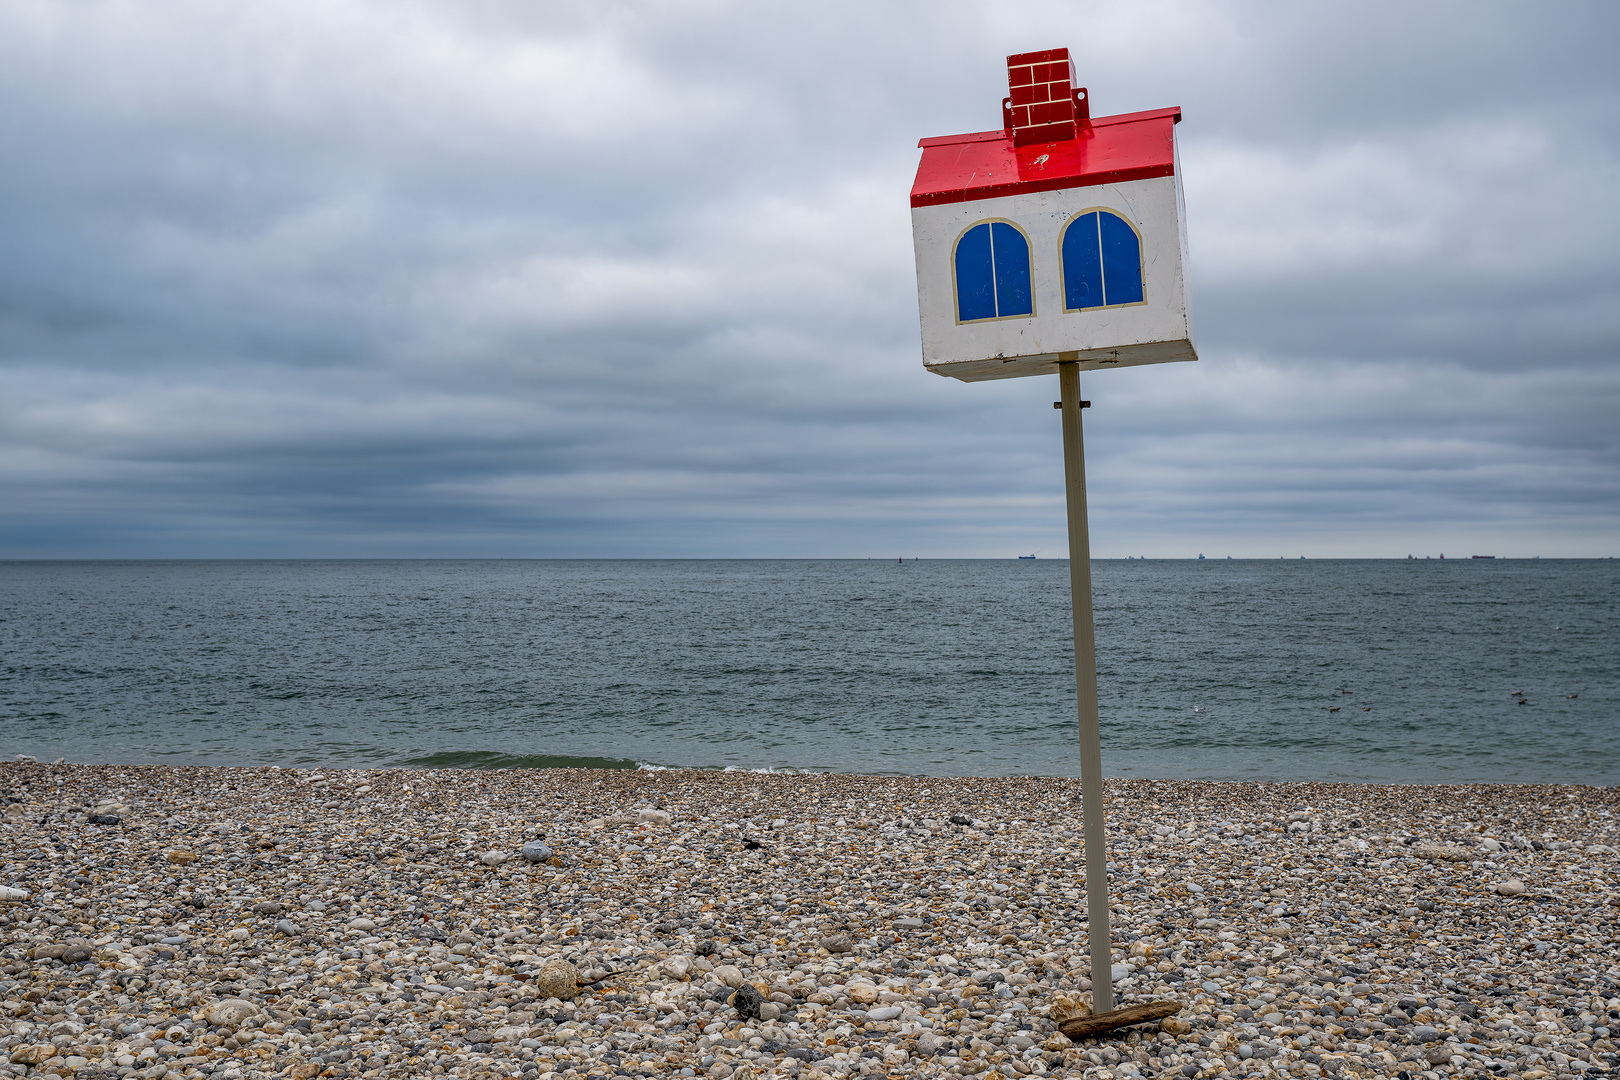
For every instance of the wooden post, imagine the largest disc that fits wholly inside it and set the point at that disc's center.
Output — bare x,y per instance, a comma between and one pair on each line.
1085,682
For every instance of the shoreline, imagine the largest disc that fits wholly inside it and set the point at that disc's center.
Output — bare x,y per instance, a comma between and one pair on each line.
495,762
382,922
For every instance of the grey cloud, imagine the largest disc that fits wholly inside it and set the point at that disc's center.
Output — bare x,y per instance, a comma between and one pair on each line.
507,279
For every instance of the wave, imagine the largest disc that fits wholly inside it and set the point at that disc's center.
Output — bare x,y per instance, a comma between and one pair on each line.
490,759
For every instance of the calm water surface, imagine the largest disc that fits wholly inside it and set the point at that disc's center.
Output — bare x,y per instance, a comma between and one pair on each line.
1225,669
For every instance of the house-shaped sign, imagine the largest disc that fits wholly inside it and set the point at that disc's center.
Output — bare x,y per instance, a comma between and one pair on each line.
1060,237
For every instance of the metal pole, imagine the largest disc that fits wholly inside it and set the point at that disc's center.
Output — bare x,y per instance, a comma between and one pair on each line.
1085,682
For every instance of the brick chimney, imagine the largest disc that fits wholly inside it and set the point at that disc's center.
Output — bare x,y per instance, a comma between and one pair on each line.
1045,105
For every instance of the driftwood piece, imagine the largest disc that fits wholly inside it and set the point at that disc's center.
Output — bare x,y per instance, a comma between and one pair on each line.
1078,1027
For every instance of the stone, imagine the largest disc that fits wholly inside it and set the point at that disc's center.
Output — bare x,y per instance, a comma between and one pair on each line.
1444,853
653,816
104,819
32,1055
536,851
231,1012
76,953
287,927
885,1012
1511,887
557,978
908,922
728,975
266,907
770,1010
837,943
493,858
182,858
747,1001
678,967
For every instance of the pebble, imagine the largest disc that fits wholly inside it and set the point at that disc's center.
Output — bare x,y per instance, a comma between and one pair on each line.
231,1013
536,851
493,858
895,943
558,979
1511,887
747,1001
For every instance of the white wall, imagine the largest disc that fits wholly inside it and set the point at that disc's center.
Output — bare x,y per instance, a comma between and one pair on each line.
1156,331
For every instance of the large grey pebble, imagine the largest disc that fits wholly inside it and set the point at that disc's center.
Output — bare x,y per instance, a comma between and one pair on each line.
536,851
232,1012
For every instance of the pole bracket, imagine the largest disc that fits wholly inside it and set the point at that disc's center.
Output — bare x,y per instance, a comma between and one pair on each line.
1059,404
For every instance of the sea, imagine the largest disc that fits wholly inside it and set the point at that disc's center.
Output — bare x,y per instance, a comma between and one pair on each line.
1386,671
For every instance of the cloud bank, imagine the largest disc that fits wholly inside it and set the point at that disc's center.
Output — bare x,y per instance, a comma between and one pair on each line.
351,279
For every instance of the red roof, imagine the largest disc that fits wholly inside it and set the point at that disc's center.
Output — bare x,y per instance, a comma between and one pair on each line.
986,165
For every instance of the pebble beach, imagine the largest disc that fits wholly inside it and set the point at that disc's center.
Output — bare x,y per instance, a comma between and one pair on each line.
188,922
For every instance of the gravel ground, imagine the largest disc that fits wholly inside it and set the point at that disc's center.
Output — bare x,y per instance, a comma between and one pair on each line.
185,922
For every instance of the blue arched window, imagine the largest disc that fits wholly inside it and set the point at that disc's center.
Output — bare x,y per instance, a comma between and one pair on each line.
1102,261
992,273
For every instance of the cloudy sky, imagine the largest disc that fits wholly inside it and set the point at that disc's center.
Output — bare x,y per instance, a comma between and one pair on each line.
523,279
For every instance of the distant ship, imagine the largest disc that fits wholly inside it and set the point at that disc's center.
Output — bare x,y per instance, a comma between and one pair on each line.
1026,556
